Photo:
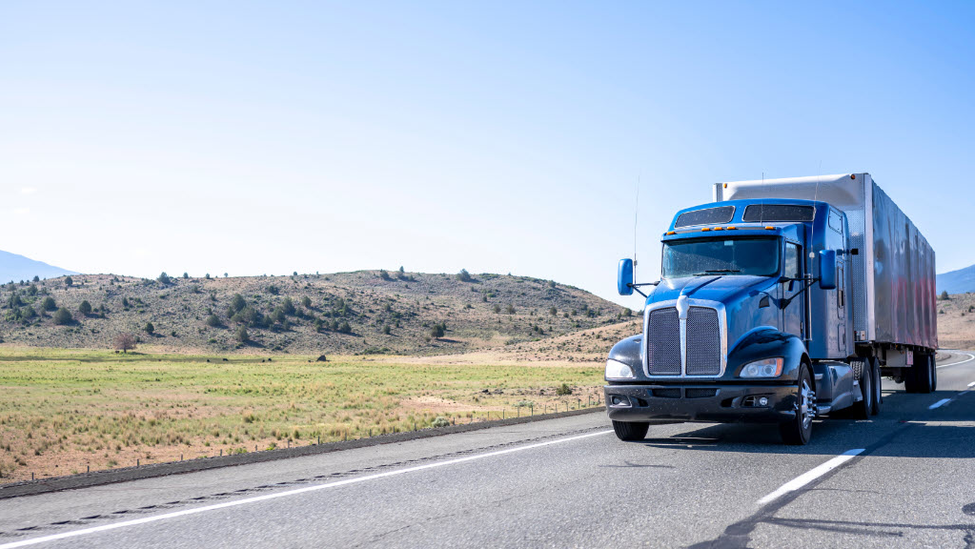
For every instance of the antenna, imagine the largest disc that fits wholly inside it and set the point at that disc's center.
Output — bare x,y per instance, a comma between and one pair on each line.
636,219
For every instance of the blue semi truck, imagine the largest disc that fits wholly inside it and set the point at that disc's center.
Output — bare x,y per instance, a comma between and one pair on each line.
781,301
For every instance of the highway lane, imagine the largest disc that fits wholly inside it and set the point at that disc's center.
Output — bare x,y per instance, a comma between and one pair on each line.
565,482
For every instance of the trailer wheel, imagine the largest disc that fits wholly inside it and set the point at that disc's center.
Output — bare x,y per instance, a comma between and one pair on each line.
631,431
921,377
798,431
877,397
934,373
864,408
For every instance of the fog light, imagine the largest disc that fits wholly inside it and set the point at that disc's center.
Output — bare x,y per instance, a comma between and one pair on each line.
763,401
616,400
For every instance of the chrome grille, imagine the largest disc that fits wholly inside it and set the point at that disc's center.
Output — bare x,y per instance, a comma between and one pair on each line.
663,342
703,342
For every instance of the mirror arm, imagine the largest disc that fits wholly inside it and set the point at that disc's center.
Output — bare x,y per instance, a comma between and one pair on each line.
637,286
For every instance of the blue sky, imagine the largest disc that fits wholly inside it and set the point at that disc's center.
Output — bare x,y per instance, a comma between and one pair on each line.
501,137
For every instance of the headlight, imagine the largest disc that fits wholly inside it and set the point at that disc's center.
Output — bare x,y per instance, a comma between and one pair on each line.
769,367
617,370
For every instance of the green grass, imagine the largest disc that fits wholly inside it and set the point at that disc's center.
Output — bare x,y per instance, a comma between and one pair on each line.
65,410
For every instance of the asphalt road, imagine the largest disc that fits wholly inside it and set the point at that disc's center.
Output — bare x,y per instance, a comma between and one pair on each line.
905,478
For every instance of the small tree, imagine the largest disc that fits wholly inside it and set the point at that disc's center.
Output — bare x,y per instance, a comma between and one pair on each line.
464,276
242,335
150,328
288,306
207,276
125,342
37,278
384,275
497,308
48,304
306,302
213,321
68,281
553,311
510,309
186,275
164,278
437,331
85,308
62,317
944,295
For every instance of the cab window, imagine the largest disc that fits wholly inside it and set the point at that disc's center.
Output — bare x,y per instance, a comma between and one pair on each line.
792,266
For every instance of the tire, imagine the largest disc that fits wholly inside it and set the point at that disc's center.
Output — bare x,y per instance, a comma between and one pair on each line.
934,373
798,431
876,394
631,431
922,377
864,408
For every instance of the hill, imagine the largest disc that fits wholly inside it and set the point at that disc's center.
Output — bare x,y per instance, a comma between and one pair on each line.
957,282
15,267
343,313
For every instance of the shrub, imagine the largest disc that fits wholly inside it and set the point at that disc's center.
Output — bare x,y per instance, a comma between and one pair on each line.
497,308
464,276
563,390
510,309
213,321
273,290
185,276
436,331
386,329
237,303
68,281
944,295
242,335
345,328
85,308
553,311
62,317
48,304
306,302
207,276
150,328
164,278
441,422
384,275
318,325
288,306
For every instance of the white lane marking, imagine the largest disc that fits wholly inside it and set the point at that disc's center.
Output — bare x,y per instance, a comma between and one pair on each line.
295,492
939,404
969,359
811,475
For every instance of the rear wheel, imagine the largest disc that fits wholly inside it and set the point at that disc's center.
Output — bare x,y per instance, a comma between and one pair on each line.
877,397
631,431
864,408
934,373
798,431
921,377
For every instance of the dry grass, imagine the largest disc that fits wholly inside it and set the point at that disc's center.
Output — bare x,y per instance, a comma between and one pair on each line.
956,322
64,411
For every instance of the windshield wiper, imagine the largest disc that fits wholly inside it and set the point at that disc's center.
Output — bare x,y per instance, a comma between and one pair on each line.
717,271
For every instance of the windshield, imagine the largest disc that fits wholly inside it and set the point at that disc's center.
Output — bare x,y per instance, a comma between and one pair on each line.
727,256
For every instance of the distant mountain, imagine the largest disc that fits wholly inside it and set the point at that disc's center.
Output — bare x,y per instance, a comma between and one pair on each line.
15,268
957,282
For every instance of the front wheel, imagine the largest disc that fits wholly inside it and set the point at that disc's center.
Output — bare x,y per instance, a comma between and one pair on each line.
631,431
798,431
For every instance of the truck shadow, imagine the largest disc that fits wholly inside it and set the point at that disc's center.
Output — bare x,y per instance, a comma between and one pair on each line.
904,428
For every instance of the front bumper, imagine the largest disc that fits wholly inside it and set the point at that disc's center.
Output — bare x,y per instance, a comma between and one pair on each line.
701,402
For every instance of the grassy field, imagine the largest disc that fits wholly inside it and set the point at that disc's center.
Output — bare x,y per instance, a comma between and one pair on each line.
65,411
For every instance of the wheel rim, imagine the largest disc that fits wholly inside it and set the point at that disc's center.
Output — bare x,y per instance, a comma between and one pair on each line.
806,396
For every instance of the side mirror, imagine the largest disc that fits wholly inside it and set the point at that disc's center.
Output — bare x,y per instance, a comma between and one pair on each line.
827,269
625,279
